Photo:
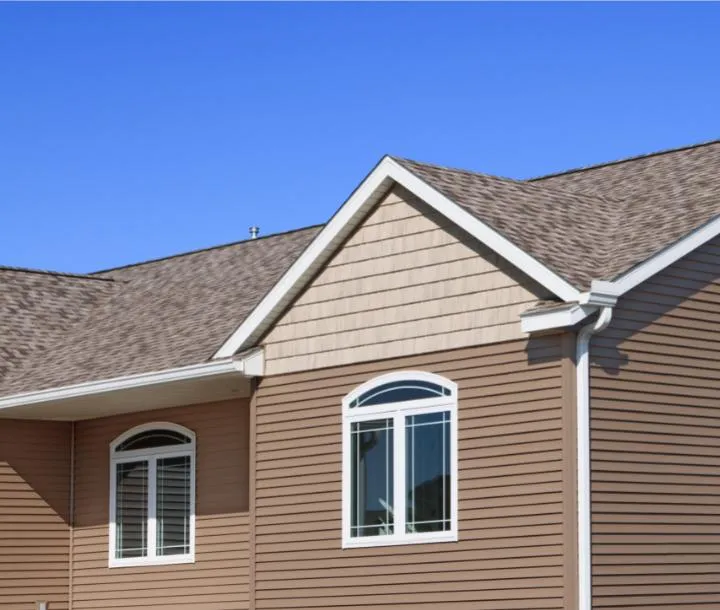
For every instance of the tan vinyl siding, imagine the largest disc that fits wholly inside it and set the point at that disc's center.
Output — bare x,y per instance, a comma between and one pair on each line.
405,282
34,509
218,580
511,471
656,443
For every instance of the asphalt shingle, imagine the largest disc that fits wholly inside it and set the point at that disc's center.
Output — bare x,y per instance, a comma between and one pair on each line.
591,223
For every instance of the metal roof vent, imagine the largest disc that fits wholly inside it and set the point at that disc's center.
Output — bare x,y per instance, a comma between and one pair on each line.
254,232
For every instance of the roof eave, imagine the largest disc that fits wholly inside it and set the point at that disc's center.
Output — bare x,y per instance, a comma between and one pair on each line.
249,365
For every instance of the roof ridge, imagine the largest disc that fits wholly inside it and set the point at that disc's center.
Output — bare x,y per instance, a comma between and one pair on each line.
80,276
656,153
518,182
208,249
457,169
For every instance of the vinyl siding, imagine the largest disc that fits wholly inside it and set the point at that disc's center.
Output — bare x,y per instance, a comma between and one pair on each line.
656,443
512,465
34,508
405,282
218,580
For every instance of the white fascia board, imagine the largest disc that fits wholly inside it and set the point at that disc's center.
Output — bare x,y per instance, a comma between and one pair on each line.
660,261
195,371
349,215
532,322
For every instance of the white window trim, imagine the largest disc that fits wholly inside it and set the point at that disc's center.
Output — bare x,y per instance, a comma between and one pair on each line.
151,456
398,411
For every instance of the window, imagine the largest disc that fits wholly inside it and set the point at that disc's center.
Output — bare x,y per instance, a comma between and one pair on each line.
400,461
152,496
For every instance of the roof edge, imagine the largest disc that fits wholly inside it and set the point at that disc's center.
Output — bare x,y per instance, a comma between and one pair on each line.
348,216
250,365
593,166
199,250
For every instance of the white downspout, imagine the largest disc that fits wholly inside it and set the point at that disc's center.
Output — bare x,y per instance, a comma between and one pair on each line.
583,456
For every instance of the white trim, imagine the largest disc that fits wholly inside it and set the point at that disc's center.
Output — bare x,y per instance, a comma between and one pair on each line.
398,412
195,371
582,371
151,456
660,261
540,320
350,215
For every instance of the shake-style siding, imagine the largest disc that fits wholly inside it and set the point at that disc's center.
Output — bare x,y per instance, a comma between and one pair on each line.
34,510
404,283
656,443
513,550
218,580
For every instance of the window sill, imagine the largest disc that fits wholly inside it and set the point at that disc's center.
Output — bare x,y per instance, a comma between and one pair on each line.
371,541
151,561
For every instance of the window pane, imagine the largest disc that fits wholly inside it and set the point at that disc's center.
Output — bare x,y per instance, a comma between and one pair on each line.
427,476
372,478
152,439
173,505
131,509
400,391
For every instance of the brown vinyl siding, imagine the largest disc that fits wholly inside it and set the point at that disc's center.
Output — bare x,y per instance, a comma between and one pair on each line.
511,471
656,442
34,511
405,282
219,578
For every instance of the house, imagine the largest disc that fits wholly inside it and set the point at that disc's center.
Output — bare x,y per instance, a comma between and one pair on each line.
463,392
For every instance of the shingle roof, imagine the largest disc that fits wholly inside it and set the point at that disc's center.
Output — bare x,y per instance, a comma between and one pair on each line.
37,308
597,222
564,231
666,195
592,223
161,314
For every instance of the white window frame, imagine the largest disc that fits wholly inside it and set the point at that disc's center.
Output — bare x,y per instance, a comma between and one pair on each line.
398,411
151,456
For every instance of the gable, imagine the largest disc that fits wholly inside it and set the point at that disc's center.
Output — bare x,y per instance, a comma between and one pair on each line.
407,281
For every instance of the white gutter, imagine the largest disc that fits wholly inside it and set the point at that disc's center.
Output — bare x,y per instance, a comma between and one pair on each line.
582,369
250,365
559,317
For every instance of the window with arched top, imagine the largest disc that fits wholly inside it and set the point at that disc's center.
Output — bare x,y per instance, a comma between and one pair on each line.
152,496
400,460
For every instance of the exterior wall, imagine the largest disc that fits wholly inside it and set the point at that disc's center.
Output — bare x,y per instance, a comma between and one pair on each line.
516,528
404,283
218,580
34,509
656,443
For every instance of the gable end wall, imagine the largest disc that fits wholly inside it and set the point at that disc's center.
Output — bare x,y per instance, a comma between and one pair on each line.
406,282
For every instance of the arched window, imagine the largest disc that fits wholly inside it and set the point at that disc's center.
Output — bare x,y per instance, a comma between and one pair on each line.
152,496
400,460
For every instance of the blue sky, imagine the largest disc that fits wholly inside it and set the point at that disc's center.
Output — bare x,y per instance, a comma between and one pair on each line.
132,131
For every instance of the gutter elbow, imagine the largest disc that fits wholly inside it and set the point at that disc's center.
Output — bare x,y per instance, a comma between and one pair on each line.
600,324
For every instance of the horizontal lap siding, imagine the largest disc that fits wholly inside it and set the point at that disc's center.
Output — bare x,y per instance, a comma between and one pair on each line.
510,553
219,578
404,283
34,508
656,443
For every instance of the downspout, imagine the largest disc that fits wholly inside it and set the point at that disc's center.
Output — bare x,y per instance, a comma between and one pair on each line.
583,456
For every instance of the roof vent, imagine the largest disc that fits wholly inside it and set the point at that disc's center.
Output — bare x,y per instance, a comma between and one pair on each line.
254,232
